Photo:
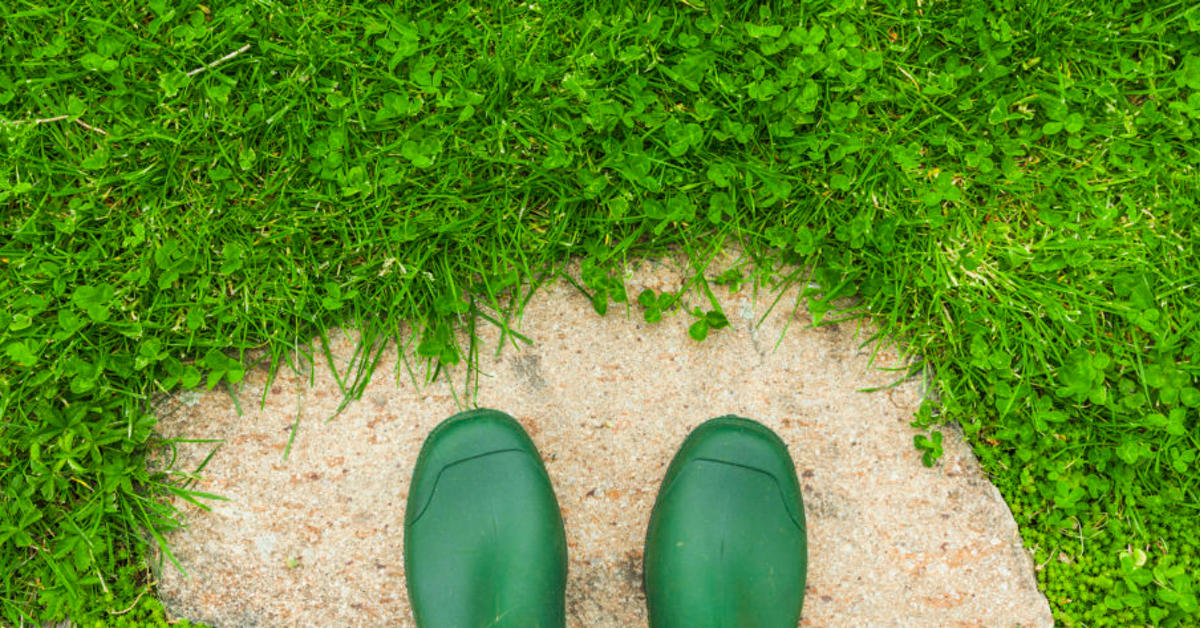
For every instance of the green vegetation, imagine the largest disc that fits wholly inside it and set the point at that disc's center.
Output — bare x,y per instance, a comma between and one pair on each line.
1010,188
147,612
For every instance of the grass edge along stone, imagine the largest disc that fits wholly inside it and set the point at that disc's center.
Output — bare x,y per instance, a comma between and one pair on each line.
1009,188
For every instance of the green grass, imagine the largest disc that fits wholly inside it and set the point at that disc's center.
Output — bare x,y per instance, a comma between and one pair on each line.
1008,188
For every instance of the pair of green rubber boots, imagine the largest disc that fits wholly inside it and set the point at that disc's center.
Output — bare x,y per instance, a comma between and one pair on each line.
484,544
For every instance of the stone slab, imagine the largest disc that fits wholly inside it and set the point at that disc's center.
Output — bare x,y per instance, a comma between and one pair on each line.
316,540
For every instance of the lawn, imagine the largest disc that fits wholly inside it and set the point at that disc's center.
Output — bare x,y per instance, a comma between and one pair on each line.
1008,188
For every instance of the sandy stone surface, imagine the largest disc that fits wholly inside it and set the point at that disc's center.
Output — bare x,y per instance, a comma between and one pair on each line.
316,540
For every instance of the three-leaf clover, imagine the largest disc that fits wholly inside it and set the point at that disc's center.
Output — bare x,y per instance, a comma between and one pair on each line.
683,136
421,153
604,286
173,261
438,342
655,304
930,446
713,319
94,300
220,365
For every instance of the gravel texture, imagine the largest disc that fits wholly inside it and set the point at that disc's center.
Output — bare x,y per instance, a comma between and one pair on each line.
316,540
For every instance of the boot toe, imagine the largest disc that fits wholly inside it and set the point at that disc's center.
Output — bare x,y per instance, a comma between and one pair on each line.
484,544
726,544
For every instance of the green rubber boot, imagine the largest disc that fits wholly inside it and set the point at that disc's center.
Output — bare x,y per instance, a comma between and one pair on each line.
726,545
484,545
